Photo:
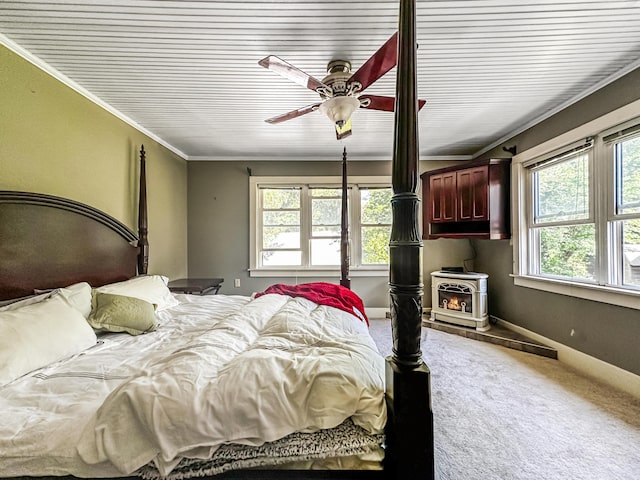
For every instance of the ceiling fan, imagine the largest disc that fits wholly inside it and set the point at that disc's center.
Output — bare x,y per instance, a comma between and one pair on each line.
341,91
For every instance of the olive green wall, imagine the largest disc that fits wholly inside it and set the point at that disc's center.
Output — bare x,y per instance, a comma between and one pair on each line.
219,225
55,141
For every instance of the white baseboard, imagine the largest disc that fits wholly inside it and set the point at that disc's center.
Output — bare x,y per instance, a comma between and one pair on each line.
586,364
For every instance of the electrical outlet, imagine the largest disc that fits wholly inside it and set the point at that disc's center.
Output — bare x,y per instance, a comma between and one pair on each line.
236,283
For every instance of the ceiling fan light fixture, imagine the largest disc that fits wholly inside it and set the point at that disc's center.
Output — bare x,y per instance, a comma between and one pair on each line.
339,109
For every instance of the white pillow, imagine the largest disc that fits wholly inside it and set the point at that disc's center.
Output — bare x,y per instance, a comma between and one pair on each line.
78,296
23,301
38,334
151,288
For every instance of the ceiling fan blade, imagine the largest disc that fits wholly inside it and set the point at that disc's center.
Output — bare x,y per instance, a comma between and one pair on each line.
379,102
294,113
344,131
378,64
279,66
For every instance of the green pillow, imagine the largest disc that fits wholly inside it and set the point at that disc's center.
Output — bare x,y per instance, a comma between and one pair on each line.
117,313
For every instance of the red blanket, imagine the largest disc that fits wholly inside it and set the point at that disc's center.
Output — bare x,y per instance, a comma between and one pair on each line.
322,293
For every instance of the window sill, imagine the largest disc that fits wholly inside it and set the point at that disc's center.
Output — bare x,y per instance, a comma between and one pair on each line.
317,272
597,293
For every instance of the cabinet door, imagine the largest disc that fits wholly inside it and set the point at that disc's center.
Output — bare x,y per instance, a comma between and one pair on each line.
442,197
472,194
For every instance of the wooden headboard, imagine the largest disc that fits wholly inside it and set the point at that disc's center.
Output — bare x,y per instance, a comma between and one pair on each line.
49,242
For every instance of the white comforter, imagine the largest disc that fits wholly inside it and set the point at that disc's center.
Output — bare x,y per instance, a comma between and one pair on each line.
218,369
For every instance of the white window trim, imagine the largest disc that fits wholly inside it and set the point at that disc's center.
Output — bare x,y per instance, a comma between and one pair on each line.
330,271
598,293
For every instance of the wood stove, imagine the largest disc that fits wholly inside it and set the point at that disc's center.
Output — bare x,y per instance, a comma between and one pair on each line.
460,298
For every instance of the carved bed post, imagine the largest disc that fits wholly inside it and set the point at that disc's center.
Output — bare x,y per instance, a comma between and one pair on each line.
345,281
143,242
408,378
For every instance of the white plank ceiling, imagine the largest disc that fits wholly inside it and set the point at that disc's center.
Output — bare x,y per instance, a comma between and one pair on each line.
187,72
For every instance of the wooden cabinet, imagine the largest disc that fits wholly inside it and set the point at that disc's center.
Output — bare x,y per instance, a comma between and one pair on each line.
443,197
471,194
467,201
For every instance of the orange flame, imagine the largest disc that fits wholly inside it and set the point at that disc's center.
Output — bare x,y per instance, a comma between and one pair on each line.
454,304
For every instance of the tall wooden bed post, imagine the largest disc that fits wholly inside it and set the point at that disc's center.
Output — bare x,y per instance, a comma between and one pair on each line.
345,281
408,378
143,230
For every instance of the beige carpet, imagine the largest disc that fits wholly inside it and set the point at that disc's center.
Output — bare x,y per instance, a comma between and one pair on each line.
502,414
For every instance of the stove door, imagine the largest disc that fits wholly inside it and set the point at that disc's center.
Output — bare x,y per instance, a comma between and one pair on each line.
457,297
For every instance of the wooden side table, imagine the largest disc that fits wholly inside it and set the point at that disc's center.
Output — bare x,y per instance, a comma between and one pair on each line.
197,286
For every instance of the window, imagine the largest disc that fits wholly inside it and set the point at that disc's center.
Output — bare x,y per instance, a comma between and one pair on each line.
280,226
296,225
625,224
375,225
578,216
324,244
561,228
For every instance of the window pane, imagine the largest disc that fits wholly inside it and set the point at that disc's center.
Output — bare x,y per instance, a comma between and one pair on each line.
330,231
277,258
631,252
283,217
275,198
628,165
325,251
561,191
281,237
568,251
375,245
326,211
376,205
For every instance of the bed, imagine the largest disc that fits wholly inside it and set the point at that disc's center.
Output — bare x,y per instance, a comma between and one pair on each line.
263,367
152,387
